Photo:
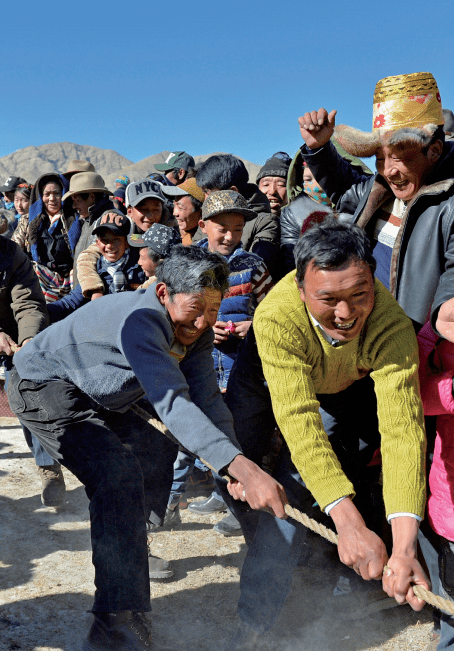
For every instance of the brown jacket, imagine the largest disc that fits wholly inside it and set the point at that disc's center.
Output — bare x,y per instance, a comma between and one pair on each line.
23,311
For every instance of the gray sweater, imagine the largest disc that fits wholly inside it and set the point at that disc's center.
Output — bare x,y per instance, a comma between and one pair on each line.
118,348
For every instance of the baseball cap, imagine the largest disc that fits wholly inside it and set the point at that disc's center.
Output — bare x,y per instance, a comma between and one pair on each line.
188,187
224,201
115,221
158,237
176,159
144,189
12,183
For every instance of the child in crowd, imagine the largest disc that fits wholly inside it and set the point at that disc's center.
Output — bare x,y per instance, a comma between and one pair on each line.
436,371
118,265
154,245
145,206
224,214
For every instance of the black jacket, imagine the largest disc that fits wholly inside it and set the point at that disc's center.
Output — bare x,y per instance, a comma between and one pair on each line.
422,264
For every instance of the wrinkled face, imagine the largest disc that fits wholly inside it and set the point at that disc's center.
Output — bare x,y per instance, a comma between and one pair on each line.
405,168
21,203
341,299
184,213
148,266
275,189
223,232
52,198
191,314
111,245
82,205
146,213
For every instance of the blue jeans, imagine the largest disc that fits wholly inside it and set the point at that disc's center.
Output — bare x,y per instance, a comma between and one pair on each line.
431,547
126,468
274,545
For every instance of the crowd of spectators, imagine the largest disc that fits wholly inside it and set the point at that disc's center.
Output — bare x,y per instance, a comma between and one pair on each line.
292,338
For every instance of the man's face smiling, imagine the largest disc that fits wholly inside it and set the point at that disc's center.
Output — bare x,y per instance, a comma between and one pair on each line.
405,167
275,189
191,314
339,299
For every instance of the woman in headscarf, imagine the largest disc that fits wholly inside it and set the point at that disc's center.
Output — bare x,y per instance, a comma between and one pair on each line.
52,232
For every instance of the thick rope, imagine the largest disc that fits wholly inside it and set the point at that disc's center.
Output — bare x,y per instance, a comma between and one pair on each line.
431,598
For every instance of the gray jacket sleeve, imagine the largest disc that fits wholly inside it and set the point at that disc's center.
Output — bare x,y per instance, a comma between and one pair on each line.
184,396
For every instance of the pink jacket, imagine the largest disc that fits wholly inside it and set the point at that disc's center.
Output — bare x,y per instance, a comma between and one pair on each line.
436,393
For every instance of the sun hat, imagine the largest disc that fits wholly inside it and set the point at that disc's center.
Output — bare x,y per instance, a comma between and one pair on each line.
115,221
224,201
188,187
158,237
176,160
75,166
406,108
144,189
85,182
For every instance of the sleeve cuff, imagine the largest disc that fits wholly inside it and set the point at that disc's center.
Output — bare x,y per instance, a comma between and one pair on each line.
391,516
333,504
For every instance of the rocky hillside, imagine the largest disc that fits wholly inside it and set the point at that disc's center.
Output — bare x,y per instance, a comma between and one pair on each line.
31,162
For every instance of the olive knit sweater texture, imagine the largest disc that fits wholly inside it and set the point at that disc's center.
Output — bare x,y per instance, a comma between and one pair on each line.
299,363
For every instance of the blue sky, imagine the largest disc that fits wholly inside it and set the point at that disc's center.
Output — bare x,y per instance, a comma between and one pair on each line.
141,77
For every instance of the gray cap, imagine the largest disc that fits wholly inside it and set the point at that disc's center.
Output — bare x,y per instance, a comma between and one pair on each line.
144,189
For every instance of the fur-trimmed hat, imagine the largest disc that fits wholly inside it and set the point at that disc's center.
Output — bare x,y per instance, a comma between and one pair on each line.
407,108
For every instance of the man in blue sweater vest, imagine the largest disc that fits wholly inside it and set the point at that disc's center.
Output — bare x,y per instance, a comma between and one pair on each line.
72,386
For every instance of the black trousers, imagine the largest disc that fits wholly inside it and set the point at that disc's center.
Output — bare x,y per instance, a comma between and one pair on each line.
126,467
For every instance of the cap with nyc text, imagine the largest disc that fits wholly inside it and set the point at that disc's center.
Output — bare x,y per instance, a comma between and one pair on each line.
115,221
144,189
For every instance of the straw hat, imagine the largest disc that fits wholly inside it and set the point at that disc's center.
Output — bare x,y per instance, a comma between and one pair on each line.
406,108
85,182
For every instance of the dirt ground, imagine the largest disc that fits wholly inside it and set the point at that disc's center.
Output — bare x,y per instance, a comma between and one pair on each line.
46,581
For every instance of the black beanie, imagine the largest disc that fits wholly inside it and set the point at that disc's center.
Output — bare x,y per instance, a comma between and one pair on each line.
277,165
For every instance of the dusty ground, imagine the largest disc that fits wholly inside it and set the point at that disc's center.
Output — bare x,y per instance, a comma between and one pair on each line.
46,581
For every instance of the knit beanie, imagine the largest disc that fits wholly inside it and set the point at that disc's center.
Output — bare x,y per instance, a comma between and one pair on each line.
277,165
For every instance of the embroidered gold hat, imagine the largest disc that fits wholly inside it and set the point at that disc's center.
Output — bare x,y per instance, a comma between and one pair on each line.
406,108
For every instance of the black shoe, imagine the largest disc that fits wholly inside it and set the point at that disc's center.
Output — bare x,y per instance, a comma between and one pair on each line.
211,505
229,526
122,631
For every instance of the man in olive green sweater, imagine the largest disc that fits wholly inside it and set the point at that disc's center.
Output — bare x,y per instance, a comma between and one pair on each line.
337,352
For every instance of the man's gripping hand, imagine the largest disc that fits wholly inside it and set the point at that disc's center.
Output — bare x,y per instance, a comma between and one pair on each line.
255,486
359,547
7,345
317,127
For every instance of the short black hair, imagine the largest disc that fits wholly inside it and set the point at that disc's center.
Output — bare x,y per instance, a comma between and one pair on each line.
332,245
221,171
191,269
154,255
196,204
